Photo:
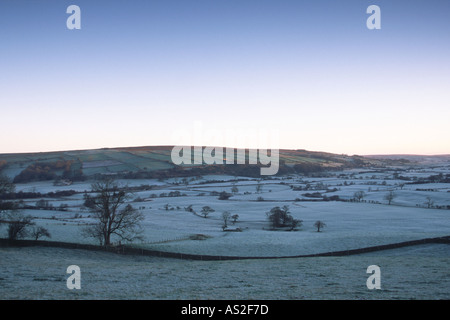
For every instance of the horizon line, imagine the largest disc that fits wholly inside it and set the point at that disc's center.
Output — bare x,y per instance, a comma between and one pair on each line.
246,148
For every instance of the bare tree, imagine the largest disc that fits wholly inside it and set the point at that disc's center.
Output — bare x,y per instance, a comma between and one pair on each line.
359,195
18,225
296,223
429,202
235,217
206,210
112,214
226,217
319,225
389,197
40,232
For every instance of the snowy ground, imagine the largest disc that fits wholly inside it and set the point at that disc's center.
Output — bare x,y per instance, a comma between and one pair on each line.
419,272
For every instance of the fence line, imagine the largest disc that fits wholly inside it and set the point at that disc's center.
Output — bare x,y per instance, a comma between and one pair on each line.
124,249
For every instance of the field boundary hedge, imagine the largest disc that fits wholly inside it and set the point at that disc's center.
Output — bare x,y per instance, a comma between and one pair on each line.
130,250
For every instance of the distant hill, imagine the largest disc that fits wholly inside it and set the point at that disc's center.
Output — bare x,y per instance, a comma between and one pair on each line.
422,159
155,162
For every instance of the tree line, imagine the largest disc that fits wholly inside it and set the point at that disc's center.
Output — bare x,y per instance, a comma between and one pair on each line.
44,171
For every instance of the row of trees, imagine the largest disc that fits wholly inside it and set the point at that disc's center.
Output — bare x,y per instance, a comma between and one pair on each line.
226,215
50,171
389,197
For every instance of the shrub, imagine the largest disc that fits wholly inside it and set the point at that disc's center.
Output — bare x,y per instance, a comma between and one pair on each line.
224,195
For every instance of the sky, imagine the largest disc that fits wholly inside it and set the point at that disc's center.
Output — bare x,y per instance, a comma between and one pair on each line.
302,74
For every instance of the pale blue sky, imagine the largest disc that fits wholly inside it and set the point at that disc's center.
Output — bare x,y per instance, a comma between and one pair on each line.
138,71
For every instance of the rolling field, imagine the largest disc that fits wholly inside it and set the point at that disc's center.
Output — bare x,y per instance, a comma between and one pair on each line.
349,224
419,272
418,211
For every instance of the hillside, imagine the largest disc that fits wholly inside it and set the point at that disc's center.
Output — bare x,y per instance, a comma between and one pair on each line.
422,159
155,162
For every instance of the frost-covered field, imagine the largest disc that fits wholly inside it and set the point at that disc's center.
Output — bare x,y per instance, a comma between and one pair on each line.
349,224
417,211
419,272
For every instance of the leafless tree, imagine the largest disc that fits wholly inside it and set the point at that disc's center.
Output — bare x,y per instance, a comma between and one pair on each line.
359,195
319,225
226,217
206,210
40,232
18,225
389,197
114,217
